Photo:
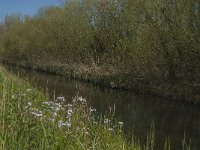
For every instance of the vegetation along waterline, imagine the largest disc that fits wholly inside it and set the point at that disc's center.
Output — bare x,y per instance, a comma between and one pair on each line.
149,46
29,120
172,119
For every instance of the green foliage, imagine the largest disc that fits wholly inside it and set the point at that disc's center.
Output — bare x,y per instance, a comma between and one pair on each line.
158,40
1,78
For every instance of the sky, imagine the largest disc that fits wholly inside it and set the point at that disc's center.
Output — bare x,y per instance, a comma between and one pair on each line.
24,7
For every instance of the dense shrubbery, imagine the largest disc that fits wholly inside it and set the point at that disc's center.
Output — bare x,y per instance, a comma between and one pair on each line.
158,41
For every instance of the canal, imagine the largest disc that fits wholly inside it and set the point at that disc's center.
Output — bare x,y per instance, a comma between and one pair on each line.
138,112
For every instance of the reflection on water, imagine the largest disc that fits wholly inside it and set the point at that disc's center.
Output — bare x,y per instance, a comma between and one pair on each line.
138,112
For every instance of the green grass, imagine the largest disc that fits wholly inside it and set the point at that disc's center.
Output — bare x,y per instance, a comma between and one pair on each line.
29,120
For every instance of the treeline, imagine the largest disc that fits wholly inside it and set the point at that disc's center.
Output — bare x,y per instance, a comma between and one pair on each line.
158,40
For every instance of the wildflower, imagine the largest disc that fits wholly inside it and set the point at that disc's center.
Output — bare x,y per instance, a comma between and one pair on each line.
95,122
57,104
51,119
29,90
29,103
92,110
61,98
57,109
78,128
54,114
37,114
81,99
69,124
106,121
120,123
69,111
46,103
69,105
61,123
69,114
110,129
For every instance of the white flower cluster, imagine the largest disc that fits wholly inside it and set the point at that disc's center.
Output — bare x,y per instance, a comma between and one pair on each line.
81,99
53,108
57,111
63,114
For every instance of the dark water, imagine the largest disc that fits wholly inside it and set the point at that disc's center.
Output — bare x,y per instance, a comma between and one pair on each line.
138,112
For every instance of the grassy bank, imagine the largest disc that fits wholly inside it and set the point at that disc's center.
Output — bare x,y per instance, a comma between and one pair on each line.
29,120
144,45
